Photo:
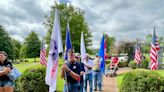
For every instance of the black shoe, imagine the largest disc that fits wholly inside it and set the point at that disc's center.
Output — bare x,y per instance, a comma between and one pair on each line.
95,89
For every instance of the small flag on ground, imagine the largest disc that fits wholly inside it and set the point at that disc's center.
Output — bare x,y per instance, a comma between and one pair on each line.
154,52
43,60
138,57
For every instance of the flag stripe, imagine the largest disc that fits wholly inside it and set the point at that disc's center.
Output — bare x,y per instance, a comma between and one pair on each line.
154,52
43,60
138,55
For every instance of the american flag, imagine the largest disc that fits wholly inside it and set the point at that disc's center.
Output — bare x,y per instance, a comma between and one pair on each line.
154,52
138,57
43,60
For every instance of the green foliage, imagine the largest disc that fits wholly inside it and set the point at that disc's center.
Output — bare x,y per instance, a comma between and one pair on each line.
127,47
133,64
110,42
144,64
32,80
6,43
75,17
142,81
31,47
17,47
123,64
108,62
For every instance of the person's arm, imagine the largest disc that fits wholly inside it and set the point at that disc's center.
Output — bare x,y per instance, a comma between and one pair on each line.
73,74
89,66
5,71
70,72
82,69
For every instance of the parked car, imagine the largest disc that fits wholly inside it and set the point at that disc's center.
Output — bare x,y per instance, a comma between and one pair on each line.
122,57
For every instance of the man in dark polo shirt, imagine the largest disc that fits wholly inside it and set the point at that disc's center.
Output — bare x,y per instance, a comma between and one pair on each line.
72,69
81,83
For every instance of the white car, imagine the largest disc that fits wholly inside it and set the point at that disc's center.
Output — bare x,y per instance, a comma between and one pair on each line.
123,58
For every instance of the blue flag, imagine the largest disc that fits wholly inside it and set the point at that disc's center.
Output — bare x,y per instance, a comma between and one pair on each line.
68,41
101,55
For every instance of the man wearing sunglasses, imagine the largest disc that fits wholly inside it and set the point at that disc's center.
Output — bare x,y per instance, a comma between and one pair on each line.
71,73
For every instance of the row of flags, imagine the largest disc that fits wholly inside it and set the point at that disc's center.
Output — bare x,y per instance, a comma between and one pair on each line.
155,47
56,48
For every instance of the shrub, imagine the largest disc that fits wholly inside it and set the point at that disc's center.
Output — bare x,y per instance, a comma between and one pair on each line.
108,62
144,64
142,81
133,64
32,80
123,64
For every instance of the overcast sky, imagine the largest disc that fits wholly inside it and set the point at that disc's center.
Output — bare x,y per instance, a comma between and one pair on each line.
123,19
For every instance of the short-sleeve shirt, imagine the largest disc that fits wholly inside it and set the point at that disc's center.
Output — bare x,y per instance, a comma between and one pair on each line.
88,63
96,63
2,66
76,68
115,60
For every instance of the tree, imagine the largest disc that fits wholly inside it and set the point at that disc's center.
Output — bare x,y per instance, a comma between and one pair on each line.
110,42
32,46
6,43
127,47
77,23
149,38
17,48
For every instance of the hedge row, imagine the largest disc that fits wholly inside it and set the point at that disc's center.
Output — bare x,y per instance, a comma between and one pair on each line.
32,80
142,81
143,64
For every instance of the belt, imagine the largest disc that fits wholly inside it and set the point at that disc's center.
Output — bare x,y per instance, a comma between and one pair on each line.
96,70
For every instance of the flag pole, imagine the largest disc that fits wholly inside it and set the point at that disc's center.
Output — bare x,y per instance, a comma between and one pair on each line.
63,56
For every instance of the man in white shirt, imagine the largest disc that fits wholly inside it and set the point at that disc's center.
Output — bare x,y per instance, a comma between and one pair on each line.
88,63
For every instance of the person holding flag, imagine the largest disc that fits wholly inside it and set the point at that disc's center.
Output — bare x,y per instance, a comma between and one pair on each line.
97,73
101,55
71,70
71,73
81,83
88,63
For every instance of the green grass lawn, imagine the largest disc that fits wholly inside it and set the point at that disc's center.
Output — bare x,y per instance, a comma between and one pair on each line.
120,77
26,65
119,80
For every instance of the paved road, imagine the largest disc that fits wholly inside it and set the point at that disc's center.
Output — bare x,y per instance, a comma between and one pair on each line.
110,83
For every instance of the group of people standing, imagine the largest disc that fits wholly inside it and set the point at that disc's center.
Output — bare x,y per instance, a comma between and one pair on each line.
78,73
